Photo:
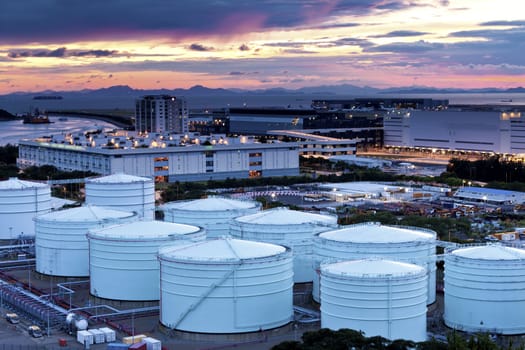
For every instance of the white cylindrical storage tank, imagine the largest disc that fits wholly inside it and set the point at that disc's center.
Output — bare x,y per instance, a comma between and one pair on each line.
485,289
226,285
123,261
291,228
409,244
20,202
379,297
212,213
61,245
124,192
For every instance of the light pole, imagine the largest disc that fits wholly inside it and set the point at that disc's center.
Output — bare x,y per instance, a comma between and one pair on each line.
133,326
29,276
50,301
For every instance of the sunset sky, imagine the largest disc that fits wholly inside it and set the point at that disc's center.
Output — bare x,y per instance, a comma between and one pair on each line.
252,44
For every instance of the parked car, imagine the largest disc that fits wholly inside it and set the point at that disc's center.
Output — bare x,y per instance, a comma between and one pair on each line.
34,331
12,318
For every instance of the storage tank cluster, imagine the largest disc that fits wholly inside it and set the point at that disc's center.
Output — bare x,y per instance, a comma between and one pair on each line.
283,226
485,289
226,285
20,202
213,213
369,277
123,261
61,245
408,244
379,297
124,192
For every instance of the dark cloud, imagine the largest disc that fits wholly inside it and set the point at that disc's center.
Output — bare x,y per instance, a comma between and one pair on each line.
48,21
504,23
398,5
400,33
59,53
242,73
199,47
337,25
289,44
244,47
513,36
345,42
96,53
353,42
299,51
415,47
496,47
392,5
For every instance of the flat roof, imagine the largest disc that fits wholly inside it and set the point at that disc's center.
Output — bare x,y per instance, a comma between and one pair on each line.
373,268
488,191
286,216
359,186
221,249
491,252
212,203
372,232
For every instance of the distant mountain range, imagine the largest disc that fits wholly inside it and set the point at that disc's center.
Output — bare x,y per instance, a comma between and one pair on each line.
199,90
122,97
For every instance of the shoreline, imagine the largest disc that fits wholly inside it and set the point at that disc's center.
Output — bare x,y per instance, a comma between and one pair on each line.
120,122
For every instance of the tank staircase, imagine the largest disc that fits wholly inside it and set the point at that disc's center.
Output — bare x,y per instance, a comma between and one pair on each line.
210,289
304,315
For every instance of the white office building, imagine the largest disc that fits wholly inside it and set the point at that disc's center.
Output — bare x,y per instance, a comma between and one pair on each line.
483,130
161,113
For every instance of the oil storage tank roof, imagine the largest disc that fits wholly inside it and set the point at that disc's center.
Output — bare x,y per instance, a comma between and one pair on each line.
377,233
222,249
118,178
373,268
211,204
285,216
491,252
14,183
85,213
143,230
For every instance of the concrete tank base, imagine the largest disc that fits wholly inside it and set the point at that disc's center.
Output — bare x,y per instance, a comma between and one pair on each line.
233,337
122,304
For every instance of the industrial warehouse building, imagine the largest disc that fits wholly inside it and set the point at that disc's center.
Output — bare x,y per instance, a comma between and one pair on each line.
165,158
177,157
488,130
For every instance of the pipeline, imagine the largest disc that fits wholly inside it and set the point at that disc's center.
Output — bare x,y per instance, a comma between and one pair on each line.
38,305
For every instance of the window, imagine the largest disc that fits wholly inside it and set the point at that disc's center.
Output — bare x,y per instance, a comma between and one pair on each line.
254,173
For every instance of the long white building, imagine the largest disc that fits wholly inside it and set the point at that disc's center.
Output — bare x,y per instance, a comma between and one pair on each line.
463,130
167,158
